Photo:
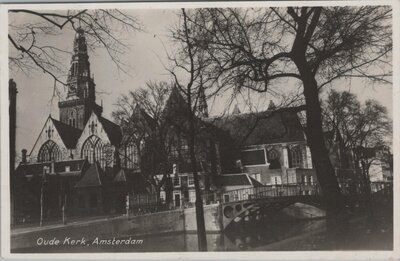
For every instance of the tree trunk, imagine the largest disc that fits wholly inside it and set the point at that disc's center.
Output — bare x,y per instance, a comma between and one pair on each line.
371,221
201,229
333,198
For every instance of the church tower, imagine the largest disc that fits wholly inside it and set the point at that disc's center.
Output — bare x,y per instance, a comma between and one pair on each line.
81,95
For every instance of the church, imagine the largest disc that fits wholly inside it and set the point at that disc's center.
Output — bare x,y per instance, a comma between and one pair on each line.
84,164
74,155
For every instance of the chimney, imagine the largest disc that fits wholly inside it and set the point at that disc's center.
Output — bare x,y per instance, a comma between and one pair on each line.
175,169
23,156
239,165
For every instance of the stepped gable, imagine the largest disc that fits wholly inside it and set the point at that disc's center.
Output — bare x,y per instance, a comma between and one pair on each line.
265,127
93,177
68,134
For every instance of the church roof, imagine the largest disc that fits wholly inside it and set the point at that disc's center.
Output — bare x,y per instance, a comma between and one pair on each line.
93,177
142,114
68,134
113,130
175,110
265,127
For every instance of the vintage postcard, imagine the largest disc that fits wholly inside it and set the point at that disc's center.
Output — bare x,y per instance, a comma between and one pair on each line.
262,130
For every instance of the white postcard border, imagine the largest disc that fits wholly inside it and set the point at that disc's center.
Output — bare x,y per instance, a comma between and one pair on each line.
289,255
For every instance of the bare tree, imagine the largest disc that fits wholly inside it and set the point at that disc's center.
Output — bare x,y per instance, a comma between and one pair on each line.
187,69
141,116
29,51
261,48
365,128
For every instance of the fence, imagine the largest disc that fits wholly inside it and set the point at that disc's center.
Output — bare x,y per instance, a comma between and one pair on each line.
267,191
147,203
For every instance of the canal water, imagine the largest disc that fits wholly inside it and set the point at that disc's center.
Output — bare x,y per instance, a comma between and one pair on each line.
273,234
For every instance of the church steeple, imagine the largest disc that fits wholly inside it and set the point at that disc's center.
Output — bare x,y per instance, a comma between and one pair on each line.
80,85
81,94
202,107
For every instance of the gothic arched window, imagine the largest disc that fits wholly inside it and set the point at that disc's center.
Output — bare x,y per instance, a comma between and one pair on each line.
273,159
95,151
131,153
296,157
49,152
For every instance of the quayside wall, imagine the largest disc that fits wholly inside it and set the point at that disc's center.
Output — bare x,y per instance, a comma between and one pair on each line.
180,220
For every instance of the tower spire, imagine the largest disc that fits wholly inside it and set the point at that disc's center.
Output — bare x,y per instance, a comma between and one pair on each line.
202,107
79,83
81,98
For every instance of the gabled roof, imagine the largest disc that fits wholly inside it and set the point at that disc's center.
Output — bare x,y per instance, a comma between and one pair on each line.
140,124
68,134
265,127
175,111
142,114
255,182
93,177
113,130
120,177
136,181
237,179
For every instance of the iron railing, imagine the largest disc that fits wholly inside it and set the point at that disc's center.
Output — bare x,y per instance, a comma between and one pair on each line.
254,193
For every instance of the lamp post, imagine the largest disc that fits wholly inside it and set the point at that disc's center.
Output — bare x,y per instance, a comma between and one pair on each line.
64,217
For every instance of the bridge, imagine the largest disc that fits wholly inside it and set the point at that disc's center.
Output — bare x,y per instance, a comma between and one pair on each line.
304,200
248,204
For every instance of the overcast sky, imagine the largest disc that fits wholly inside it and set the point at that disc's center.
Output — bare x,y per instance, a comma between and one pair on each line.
145,58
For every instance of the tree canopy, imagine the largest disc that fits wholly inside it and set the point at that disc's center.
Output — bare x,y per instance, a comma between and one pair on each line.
256,48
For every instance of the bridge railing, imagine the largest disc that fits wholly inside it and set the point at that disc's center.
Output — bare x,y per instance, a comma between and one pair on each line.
267,191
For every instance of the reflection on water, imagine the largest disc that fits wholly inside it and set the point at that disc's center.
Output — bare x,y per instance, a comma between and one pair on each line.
275,233
239,237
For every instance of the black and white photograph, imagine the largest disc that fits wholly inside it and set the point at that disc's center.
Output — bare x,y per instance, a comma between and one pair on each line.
253,127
